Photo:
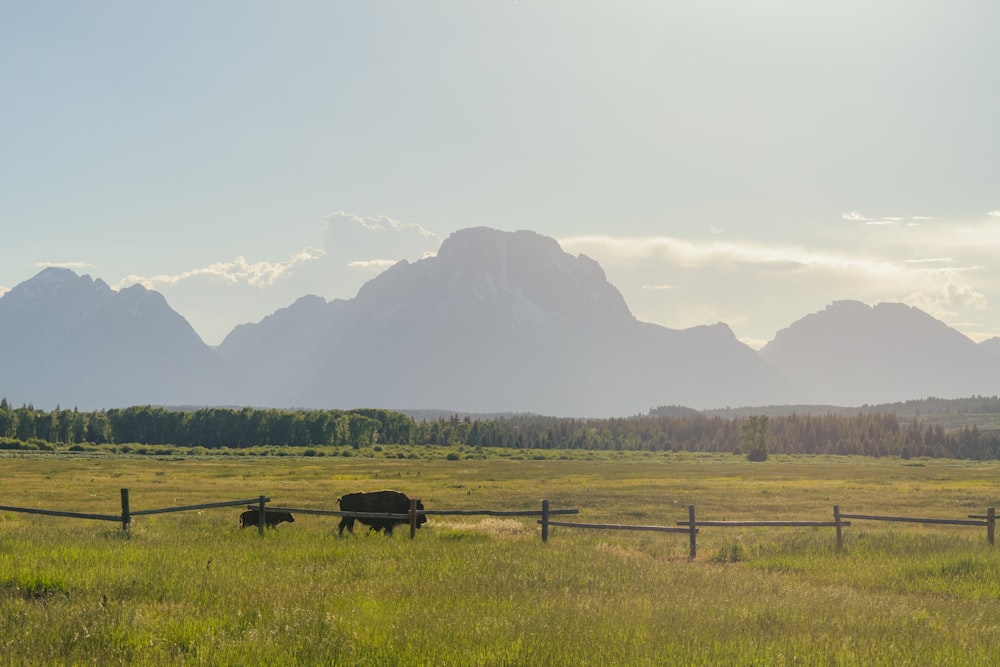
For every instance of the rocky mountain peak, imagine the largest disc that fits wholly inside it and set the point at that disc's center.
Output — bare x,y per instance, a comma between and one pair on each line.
54,284
852,353
72,340
495,322
511,274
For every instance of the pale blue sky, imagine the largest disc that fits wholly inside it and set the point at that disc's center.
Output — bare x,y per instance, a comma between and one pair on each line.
744,162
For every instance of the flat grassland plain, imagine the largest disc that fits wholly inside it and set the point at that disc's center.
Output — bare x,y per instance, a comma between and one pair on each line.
193,588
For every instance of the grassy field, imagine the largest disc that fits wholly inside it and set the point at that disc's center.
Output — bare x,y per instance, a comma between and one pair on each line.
192,588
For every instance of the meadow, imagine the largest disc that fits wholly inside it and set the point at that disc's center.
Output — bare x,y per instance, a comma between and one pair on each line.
192,588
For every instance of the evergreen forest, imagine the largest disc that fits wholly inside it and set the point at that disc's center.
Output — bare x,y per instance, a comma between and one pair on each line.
872,433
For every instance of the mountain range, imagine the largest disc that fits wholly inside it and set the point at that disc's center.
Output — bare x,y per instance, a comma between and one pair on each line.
496,322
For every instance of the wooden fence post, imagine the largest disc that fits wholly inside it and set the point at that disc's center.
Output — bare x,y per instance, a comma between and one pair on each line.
126,515
991,523
413,517
840,529
693,532
545,521
261,516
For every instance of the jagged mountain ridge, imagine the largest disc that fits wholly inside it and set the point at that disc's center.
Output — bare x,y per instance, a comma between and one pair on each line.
851,353
73,341
499,322
496,322
992,345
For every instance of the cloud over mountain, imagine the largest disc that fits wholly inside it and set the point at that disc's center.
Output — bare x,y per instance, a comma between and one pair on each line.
362,240
936,264
234,272
353,250
494,322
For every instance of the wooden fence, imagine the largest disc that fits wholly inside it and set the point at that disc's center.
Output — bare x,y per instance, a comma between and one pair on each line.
126,514
412,515
260,505
690,527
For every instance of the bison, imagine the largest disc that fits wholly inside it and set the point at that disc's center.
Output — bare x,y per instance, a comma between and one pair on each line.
377,502
271,518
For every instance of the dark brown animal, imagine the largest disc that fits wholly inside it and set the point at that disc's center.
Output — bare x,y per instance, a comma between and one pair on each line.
377,502
271,518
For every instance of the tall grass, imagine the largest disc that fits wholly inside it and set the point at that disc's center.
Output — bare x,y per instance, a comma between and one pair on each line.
193,588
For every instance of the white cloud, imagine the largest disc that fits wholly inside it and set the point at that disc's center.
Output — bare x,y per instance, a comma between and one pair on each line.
217,297
762,287
352,239
947,301
75,266
695,254
358,248
3,290
378,223
910,221
355,249
854,216
969,238
237,271
377,264
994,214
964,296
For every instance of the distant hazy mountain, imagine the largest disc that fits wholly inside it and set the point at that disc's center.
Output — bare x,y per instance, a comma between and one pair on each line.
496,322
852,354
992,345
73,341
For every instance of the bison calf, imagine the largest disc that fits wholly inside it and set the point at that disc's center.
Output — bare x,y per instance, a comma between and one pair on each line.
377,502
271,518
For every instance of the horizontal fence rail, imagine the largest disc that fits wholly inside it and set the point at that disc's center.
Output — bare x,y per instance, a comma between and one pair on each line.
619,526
71,515
545,511
126,514
840,521
908,519
498,512
376,515
989,520
691,527
188,508
767,524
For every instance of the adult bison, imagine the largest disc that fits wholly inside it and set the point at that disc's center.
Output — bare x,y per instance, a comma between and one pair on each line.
377,502
271,518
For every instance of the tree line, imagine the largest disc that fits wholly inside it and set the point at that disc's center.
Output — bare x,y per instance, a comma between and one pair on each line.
206,427
866,434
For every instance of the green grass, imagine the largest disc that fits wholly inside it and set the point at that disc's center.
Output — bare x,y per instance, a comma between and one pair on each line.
192,588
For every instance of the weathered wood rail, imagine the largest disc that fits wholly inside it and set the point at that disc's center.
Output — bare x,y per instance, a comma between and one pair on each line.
691,526
412,515
71,515
125,518
989,520
837,523
840,520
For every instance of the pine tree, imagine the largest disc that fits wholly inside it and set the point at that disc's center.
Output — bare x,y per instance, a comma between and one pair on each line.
753,435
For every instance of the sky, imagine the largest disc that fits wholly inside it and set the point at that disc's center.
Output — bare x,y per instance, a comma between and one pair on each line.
733,161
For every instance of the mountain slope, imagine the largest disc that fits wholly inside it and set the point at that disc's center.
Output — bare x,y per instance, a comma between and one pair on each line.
496,322
73,341
502,322
851,353
992,345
